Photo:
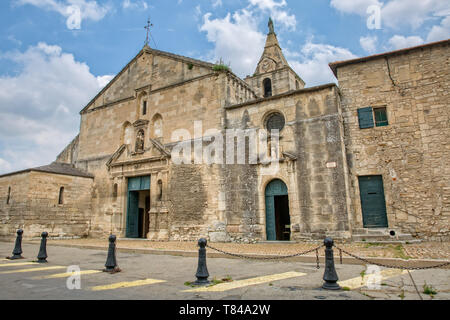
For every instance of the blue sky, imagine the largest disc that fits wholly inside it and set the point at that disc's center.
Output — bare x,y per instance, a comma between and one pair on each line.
55,55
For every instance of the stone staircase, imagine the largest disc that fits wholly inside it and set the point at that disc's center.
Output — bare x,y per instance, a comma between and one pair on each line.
382,235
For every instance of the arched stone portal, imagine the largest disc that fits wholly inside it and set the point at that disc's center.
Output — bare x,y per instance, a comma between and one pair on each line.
278,221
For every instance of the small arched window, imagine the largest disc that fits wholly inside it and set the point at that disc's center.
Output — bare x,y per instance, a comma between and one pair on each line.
267,84
8,196
61,195
160,190
115,188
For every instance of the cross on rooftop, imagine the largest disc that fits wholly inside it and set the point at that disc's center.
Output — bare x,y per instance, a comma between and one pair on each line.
147,27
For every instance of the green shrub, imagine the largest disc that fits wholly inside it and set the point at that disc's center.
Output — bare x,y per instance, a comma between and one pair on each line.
221,67
429,290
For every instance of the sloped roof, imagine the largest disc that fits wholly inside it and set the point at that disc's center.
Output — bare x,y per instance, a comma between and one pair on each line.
335,65
147,49
57,168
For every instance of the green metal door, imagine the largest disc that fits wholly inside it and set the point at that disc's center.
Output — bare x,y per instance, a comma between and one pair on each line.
133,215
372,202
274,188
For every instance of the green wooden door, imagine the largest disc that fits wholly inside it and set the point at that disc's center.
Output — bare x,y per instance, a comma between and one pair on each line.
133,215
372,202
135,184
139,183
270,219
274,188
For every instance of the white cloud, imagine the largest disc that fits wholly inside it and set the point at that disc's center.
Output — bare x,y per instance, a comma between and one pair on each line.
399,42
104,80
197,12
5,166
369,43
216,3
279,15
136,5
412,13
39,106
237,40
354,6
440,32
236,37
396,14
313,66
74,10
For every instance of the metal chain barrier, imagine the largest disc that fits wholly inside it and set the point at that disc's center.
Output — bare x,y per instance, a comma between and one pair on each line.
390,266
271,258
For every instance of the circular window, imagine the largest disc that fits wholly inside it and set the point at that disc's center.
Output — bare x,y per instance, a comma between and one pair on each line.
275,121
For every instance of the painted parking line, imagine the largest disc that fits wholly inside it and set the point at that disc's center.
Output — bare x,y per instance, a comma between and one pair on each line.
126,284
32,269
66,274
247,282
17,264
359,282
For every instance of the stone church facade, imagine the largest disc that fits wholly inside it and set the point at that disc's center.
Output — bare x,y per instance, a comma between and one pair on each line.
365,160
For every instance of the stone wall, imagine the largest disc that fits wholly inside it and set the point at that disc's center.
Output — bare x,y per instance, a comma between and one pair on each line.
34,205
176,106
70,153
316,178
412,152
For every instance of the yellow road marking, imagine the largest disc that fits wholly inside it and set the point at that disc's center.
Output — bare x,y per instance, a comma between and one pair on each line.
32,269
359,282
126,284
66,274
17,264
247,282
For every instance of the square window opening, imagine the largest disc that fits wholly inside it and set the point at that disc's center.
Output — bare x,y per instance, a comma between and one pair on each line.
380,114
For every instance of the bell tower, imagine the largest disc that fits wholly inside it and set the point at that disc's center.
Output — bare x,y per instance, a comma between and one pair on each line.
273,75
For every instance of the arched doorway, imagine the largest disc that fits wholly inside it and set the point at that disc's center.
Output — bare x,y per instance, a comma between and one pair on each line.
278,221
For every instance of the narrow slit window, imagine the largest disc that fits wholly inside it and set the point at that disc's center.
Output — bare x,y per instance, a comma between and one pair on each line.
381,119
8,197
61,195
144,108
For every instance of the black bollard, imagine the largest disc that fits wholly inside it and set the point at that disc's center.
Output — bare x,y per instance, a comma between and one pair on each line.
42,255
111,262
202,271
330,276
17,252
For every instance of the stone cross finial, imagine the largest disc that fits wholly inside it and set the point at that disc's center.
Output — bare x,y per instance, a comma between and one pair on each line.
270,24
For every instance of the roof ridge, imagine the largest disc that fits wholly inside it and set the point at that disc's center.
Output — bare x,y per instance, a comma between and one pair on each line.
334,65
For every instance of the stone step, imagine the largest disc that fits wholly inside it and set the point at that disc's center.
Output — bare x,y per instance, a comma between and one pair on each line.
386,238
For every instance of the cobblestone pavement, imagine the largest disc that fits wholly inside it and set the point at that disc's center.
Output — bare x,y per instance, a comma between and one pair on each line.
423,250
